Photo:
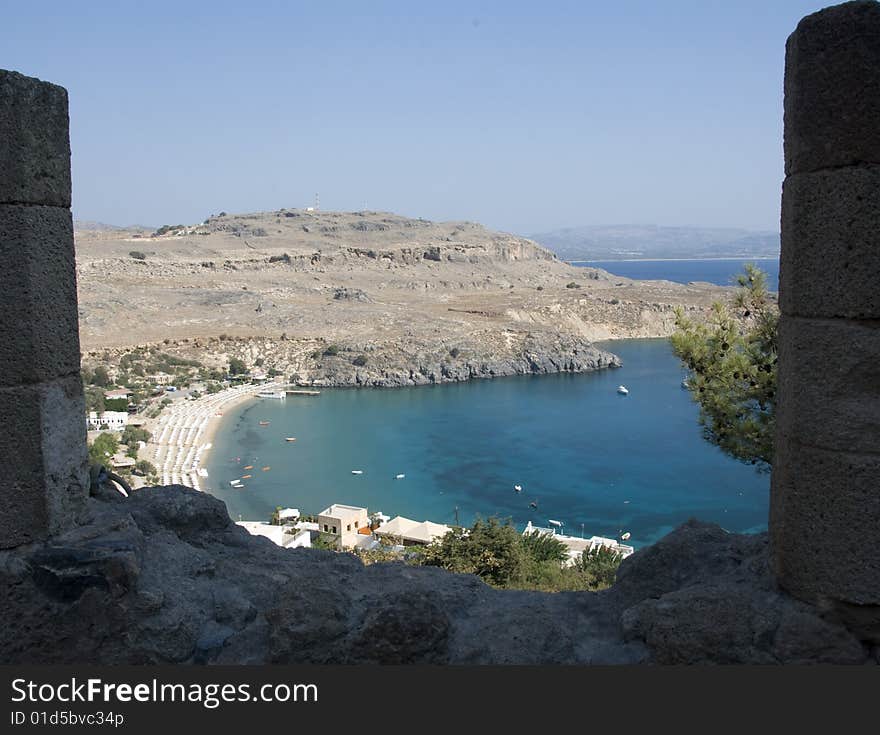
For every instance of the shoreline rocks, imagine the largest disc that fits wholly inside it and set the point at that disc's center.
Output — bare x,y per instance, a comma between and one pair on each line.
394,368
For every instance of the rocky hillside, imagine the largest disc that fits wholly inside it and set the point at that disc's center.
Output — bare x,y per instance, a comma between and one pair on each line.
397,301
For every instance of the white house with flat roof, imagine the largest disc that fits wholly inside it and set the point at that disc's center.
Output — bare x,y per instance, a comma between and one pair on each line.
113,420
412,532
344,521
278,534
119,393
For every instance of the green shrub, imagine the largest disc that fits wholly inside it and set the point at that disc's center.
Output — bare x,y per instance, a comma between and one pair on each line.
131,435
143,467
104,447
101,377
115,404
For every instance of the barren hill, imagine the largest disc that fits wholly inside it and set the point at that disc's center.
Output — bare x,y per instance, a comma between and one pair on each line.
412,301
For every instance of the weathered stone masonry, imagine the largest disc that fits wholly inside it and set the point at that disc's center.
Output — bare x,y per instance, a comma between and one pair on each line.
166,576
825,498
42,433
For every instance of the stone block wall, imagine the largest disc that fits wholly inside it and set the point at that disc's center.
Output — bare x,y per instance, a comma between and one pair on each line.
825,491
42,425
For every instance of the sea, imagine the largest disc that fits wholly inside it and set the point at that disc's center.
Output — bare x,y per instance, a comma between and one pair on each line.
720,271
598,462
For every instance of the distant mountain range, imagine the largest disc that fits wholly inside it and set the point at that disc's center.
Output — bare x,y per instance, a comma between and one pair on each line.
619,242
79,224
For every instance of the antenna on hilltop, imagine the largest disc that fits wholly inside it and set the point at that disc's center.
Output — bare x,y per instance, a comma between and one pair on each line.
317,202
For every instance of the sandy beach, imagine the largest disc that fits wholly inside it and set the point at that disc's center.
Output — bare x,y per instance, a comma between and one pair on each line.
183,434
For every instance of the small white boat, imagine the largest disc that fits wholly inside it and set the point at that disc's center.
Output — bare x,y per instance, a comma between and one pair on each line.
399,477
290,439
235,483
357,472
625,536
558,524
518,488
622,390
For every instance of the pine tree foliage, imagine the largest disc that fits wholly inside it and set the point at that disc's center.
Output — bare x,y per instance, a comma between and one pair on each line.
732,360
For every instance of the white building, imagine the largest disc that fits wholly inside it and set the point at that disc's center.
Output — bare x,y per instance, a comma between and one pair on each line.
278,534
121,461
160,378
288,515
577,546
119,393
344,521
113,420
412,532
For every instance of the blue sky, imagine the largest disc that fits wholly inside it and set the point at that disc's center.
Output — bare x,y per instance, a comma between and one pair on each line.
523,116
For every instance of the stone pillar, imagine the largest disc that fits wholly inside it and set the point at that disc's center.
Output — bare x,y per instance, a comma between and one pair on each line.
825,489
43,460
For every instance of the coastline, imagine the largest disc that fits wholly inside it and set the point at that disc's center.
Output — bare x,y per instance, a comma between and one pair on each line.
443,470
672,260
184,434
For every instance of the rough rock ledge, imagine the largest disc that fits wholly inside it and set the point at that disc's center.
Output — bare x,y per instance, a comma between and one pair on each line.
166,576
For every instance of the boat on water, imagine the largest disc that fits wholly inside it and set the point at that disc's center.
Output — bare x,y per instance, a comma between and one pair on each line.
248,467
290,439
266,468
625,536
264,423
622,389
235,483
518,488
278,395
399,477
246,477
357,472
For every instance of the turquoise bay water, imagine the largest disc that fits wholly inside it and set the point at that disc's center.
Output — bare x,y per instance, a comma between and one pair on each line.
589,457
717,270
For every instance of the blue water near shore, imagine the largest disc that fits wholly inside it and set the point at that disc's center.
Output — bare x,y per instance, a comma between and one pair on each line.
720,271
589,457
